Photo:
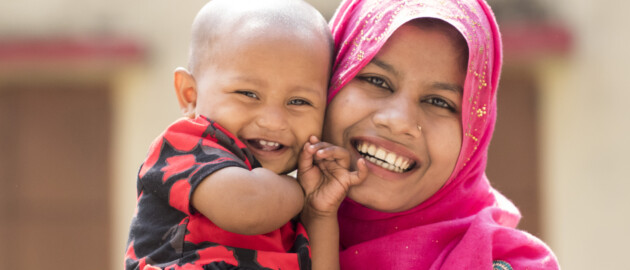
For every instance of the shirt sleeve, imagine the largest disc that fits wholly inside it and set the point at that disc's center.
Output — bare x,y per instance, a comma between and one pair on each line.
184,155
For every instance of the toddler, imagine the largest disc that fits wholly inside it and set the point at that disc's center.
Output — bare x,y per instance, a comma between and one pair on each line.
213,191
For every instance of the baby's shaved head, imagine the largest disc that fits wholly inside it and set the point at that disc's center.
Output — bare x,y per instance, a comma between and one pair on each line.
249,19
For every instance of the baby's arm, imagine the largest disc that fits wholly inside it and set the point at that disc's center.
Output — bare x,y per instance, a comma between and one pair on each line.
248,202
324,175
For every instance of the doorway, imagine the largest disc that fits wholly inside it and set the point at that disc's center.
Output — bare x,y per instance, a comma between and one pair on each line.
54,175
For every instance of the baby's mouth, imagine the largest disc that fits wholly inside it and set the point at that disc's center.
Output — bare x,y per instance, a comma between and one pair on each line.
384,158
265,145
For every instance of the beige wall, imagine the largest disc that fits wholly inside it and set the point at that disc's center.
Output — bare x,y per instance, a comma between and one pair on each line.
586,138
584,133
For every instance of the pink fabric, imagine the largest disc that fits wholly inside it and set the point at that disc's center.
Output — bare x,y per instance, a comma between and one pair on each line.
466,224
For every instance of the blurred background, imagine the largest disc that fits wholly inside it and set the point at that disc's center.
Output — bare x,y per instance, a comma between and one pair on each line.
85,86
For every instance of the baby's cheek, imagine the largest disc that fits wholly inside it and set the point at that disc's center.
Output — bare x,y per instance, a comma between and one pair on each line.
291,164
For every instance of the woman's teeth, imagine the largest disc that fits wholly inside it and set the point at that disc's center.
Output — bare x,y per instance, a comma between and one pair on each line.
381,157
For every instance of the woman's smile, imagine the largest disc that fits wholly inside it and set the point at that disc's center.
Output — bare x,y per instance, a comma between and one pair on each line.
383,157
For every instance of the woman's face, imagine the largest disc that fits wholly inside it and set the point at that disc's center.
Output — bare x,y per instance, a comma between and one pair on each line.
402,113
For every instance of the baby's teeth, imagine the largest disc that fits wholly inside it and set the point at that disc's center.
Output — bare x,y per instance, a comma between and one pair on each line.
267,143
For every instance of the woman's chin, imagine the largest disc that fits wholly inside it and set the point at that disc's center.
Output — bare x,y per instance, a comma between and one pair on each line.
379,202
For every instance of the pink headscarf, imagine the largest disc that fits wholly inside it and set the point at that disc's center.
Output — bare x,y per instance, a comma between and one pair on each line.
466,224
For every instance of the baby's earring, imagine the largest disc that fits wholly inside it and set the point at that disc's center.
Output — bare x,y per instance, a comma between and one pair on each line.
419,128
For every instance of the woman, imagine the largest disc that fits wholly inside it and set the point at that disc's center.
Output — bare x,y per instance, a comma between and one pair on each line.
414,93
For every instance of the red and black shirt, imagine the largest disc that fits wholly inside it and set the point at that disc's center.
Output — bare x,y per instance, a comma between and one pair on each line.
167,232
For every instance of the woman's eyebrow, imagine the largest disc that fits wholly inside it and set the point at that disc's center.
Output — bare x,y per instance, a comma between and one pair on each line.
448,86
387,67
436,85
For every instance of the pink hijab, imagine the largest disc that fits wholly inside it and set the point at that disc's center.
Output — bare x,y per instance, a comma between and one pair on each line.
466,224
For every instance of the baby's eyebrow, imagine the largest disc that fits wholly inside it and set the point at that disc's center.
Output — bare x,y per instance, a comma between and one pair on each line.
251,80
263,83
314,91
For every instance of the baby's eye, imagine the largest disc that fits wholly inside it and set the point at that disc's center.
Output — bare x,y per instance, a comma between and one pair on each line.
376,81
247,93
299,102
439,102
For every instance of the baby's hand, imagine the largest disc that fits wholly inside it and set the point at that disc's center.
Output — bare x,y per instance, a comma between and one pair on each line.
323,172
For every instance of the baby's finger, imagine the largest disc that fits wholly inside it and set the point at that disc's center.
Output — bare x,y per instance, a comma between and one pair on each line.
357,177
323,151
332,152
362,171
305,161
320,144
313,139
324,154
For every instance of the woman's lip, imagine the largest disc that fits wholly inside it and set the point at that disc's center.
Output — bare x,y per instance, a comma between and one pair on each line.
387,174
381,172
388,146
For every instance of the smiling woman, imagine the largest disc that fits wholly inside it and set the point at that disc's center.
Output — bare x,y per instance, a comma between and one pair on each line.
413,81
414,94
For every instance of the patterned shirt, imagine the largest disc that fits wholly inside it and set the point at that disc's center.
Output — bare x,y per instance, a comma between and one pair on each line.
167,232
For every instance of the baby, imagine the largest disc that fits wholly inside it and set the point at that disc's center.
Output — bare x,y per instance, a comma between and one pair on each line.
213,191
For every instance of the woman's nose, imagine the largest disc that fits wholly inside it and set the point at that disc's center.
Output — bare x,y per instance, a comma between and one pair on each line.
272,118
399,116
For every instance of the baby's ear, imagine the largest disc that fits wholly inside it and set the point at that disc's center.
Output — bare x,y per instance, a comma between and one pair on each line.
186,91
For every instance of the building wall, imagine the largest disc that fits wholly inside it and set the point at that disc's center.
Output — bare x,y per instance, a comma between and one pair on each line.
584,131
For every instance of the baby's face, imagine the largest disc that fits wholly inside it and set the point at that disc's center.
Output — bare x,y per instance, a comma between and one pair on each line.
269,91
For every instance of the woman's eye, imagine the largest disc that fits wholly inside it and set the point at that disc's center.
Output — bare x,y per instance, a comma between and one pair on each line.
299,102
249,94
377,81
440,103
